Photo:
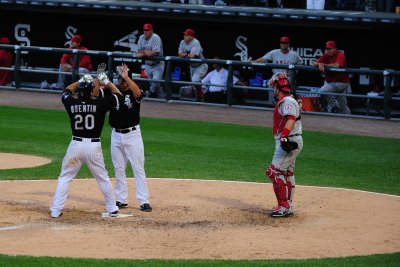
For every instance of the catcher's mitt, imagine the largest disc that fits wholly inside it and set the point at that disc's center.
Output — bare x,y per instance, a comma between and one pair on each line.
288,145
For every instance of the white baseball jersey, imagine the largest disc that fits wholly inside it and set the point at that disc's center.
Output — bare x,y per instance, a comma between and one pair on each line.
154,43
277,57
218,80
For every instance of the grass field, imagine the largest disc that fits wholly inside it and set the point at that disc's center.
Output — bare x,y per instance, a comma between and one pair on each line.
200,150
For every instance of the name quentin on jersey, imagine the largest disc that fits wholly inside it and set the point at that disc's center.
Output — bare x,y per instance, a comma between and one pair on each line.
83,108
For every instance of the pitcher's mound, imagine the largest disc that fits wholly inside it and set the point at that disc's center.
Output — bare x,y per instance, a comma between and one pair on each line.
14,161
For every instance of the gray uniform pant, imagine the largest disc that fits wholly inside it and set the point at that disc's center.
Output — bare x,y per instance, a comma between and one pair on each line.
333,101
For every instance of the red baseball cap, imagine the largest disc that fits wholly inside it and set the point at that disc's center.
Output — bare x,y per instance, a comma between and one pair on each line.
147,27
330,44
284,39
189,32
4,40
76,38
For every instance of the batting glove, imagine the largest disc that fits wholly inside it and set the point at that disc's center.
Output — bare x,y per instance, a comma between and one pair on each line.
103,79
87,78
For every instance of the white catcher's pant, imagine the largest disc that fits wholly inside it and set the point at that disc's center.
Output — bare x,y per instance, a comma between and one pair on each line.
129,147
77,153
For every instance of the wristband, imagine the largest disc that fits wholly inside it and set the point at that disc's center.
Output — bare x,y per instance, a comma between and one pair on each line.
285,133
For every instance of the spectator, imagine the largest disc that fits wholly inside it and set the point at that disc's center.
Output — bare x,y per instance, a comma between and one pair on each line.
67,62
6,58
280,56
190,47
216,82
316,4
150,46
335,82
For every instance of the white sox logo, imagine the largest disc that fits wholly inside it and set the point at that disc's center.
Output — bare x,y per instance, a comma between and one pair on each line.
128,41
128,102
243,54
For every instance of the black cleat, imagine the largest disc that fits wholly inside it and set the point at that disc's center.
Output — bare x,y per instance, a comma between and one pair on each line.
53,217
121,205
146,207
114,214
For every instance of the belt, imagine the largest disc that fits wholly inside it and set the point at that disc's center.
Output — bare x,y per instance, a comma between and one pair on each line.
124,131
294,135
81,139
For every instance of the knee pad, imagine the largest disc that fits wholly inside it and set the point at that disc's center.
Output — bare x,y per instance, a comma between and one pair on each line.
272,172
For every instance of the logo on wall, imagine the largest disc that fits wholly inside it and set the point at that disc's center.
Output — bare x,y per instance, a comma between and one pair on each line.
71,31
20,32
240,44
128,41
309,55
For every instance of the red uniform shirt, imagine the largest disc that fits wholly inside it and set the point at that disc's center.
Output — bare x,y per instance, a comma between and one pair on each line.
335,77
5,61
84,60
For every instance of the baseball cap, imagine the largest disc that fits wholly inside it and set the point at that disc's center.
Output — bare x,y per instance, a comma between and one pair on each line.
76,38
147,27
189,32
330,44
4,40
284,39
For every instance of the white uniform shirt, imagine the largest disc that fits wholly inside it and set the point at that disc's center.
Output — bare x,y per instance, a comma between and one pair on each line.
290,107
154,43
277,57
216,78
193,48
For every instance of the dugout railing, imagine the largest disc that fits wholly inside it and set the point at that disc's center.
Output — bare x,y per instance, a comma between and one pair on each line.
385,104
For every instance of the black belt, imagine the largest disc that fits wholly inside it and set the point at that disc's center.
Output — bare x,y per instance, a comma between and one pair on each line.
91,139
124,131
294,135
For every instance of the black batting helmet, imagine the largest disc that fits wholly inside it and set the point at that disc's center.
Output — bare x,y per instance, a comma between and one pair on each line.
85,89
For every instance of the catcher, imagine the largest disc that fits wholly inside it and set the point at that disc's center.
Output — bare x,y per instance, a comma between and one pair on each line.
287,134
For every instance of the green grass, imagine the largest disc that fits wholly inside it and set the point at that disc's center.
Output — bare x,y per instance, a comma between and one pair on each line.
384,260
201,150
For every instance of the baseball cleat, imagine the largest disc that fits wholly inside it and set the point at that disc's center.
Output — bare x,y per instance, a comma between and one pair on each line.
121,205
53,216
114,214
146,207
280,211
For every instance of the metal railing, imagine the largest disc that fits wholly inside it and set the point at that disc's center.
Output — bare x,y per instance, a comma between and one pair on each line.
387,98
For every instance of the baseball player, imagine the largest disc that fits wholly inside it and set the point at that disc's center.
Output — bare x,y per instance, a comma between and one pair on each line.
87,119
287,131
150,45
190,47
126,141
283,56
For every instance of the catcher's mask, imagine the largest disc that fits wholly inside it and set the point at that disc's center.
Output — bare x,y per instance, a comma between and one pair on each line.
85,90
281,82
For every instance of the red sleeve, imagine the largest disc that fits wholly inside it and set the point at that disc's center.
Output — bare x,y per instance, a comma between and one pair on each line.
322,58
65,58
341,60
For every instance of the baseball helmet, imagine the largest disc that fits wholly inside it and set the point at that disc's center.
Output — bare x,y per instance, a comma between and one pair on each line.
281,82
85,89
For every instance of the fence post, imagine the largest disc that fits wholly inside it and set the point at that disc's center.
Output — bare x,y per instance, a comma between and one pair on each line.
167,84
229,83
75,69
387,78
17,67
110,66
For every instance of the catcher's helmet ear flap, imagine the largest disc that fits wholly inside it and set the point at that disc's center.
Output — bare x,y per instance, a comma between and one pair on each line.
85,89
281,82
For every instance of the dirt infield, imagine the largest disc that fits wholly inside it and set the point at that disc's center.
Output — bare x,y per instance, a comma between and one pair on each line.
197,219
200,219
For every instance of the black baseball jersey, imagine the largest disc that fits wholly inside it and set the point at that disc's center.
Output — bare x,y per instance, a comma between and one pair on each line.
87,118
128,113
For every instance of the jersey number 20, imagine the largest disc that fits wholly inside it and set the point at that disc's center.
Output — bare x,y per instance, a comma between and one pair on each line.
84,122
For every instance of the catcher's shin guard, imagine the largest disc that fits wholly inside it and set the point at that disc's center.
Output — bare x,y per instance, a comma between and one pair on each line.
279,185
291,184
